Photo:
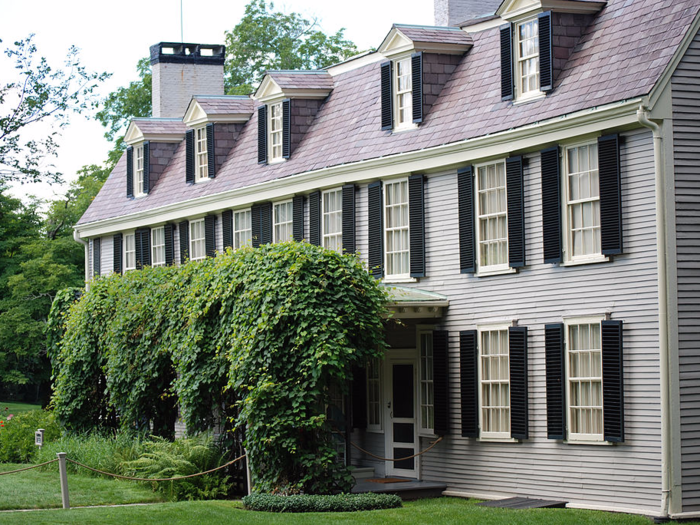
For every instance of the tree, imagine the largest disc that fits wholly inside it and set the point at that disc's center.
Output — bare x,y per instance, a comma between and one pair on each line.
39,93
266,40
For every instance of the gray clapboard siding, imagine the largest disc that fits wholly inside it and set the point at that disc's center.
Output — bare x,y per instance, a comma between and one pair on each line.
686,149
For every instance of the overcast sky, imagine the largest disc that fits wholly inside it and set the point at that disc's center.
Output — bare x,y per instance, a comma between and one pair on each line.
113,36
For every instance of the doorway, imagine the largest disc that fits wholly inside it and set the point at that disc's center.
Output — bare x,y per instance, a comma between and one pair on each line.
401,431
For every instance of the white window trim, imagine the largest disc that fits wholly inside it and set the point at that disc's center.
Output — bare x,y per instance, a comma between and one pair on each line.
154,246
204,165
533,95
567,260
192,239
408,125
377,428
324,234
403,277
498,269
424,432
270,158
583,439
249,230
483,435
138,184
290,221
127,268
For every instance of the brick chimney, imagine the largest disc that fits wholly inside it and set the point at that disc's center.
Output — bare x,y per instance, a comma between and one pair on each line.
182,70
453,12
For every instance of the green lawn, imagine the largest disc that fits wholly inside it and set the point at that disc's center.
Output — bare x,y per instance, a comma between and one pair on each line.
37,489
10,407
437,511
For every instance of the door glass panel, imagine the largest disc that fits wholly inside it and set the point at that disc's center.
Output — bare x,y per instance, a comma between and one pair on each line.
403,433
407,464
403,391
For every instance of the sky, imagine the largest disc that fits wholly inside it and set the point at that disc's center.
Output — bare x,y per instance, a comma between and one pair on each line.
113,36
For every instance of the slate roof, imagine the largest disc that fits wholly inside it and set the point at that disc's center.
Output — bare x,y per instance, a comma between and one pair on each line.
225,104
620,56
302,79
438,35
160,126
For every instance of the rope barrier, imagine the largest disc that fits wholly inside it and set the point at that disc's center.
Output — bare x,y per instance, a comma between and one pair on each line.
28,468
432,445
155,479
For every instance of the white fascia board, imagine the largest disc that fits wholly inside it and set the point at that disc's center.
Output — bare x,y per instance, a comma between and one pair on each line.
295,93
355,63
483,26
515,10
531,137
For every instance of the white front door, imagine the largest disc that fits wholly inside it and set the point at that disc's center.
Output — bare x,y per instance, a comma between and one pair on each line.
401,434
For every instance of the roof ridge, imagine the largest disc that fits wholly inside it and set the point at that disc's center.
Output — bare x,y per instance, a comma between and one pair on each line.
441,28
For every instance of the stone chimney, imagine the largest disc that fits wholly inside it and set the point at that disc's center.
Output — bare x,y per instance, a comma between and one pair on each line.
182,70
454,12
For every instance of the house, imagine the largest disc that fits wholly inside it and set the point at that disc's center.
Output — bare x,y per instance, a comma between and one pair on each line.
524,176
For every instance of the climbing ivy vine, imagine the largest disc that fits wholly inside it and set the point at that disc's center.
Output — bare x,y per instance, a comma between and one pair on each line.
258,335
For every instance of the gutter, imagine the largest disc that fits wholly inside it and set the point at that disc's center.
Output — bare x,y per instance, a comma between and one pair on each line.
76,238
664,368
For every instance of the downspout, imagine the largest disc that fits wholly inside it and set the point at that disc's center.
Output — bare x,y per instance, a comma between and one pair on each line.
659,177
77,238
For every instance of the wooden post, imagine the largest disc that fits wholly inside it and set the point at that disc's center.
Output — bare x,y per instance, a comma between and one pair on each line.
64,479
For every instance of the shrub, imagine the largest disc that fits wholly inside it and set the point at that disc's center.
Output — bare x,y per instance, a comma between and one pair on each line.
321,503
17,436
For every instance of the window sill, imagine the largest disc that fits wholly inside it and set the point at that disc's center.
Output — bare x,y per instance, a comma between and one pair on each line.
374,431
276,161
399,280
587,260
427,434
497,440
529,98
405,127
499,271
140,195
585,442
203,179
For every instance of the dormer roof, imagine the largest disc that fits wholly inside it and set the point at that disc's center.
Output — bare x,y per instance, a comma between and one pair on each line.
516,9
442,40
235,109
314,84
155,129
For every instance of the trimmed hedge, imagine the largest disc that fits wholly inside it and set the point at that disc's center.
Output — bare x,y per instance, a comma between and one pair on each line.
320,503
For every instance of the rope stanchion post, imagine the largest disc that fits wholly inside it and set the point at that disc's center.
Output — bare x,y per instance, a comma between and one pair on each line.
64,479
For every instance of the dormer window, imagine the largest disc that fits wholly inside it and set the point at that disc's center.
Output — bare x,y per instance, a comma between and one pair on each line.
202,169
275,130
528,58
402,81
138,169
274,133
138,179
403,84
199,157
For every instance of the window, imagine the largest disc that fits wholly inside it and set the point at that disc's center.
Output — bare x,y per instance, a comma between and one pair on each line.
494,382
403,87
202,164
158,246
582,210
396,229
129,252
197,240
332,212
584,373
527,59
241,229
427,403
138,169
275,127
374,397
282,219
492,217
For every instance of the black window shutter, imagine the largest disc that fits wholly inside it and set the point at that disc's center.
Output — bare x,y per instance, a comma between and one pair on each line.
266,223
387,102
416,221
349,218
210,235
211,158
143,248
516,212
298,218
129,171
556,380
465,197
96,256
184,227
610,194
189,156
315,218
417,86
146,168
469,379
551,204
613,385
117,252
544,22
227,228
137,249
262,134
517,341
286,128
506,62
375,255
441,387
359,397
168,233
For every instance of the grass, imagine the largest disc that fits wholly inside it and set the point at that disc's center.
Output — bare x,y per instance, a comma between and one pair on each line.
41,489
444,511
10,407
